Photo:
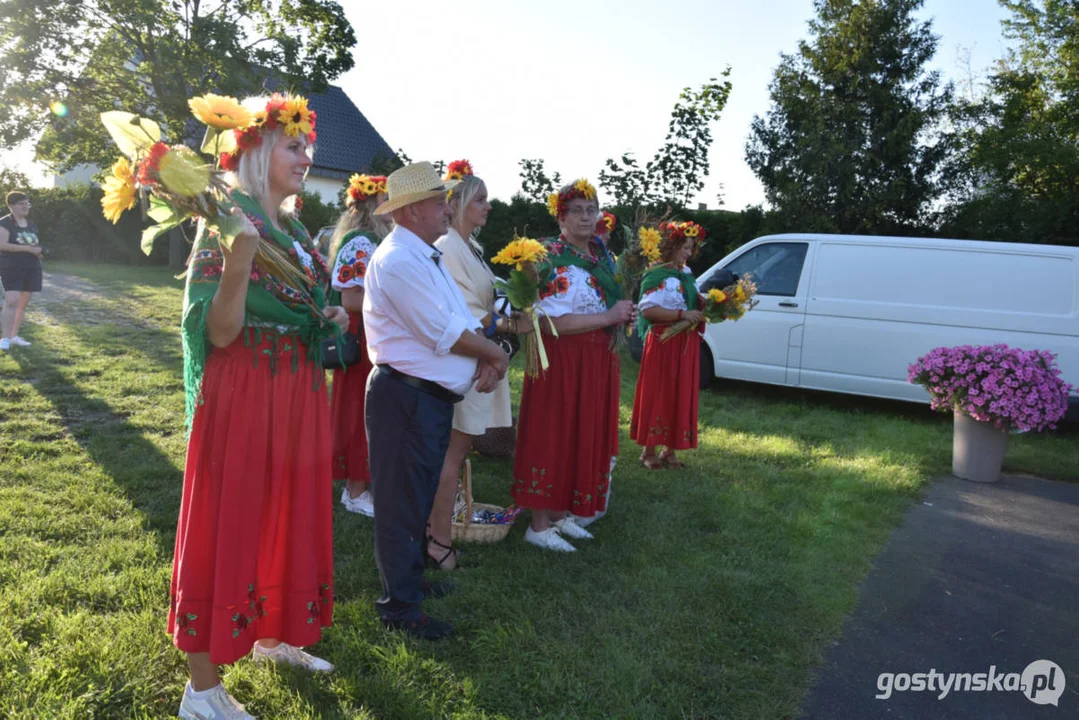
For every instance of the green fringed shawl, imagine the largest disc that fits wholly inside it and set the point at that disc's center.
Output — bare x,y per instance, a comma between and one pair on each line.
270,307
654,278
563,254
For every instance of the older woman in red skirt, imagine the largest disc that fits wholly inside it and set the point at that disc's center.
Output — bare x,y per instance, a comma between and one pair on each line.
351,248
253,564
567,436
665,404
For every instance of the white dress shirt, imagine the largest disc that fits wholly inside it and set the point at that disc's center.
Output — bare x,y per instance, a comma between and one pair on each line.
413,313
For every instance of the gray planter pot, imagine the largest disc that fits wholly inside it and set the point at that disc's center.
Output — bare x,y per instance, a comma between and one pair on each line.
977,449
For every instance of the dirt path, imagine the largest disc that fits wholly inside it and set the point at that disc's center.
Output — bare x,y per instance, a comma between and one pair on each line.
68,298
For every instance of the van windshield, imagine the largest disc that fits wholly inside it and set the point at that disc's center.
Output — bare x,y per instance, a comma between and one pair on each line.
775,267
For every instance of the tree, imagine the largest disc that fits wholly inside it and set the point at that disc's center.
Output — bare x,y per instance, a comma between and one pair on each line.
1016,171
851,143
535,185
82,57
677,172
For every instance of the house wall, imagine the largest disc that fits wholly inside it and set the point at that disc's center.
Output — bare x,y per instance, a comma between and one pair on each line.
326,188
78,175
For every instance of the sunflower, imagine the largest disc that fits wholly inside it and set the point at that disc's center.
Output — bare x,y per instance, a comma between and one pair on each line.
519,252
691,230
119,191
717,296
295,117
552,204
223,113
585,189
649,240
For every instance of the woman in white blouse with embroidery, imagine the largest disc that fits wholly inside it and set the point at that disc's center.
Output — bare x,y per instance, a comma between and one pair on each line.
462,257
351,248
567,437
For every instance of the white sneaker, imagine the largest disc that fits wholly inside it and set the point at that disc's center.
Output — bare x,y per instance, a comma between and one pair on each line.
19,342
364,504
286,654
568,527
5,344
214,704
548,539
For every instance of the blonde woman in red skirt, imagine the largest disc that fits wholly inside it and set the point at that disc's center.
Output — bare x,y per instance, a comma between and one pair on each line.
665,404
253,562
567,435
351,247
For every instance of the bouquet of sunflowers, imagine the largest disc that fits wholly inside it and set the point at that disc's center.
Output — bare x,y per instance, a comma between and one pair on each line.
529,271
174,184
730,303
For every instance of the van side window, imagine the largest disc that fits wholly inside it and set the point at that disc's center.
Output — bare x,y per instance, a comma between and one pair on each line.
775,267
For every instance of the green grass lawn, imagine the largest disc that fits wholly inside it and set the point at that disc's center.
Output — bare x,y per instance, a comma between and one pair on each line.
707,593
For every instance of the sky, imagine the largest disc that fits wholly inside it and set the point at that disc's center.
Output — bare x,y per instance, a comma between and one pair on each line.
574,82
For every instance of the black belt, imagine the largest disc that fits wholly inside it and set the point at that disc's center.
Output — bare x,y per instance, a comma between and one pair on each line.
427,386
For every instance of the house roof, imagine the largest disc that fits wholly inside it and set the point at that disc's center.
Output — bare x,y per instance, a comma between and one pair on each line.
347,142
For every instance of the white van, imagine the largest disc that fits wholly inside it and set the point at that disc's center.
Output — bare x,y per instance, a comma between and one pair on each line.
849,313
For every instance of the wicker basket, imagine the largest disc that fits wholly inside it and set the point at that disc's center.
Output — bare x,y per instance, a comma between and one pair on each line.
468,531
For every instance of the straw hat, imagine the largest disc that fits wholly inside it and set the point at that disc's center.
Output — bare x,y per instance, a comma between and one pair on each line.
412,184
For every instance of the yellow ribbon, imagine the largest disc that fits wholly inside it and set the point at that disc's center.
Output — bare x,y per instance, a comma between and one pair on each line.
531,312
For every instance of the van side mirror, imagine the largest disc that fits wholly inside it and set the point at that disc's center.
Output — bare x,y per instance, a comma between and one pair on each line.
720,279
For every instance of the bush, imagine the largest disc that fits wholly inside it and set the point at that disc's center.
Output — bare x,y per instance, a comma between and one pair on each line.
71,226
316,214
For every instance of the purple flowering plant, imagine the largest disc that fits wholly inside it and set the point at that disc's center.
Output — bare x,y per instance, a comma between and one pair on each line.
1011,389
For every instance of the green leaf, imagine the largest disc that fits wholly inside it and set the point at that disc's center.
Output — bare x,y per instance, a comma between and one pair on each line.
160,210
133,134
155,231
217,141
229,226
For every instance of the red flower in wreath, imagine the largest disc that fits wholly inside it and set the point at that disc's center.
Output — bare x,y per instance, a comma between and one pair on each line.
458,170
605,224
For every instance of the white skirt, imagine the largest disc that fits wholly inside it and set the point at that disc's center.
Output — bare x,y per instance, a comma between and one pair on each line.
479,411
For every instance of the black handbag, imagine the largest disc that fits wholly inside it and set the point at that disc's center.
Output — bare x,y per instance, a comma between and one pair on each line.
339,355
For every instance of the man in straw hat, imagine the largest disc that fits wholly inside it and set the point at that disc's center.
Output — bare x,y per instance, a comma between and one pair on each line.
423,342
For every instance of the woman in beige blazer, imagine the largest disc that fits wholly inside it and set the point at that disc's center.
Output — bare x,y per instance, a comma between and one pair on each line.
463,258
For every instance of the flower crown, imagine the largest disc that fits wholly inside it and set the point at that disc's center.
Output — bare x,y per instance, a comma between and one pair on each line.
606,223
683,230
220,114
558,202
458,170
362,188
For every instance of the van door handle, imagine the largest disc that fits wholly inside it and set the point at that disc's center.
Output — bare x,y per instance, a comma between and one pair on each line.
788,303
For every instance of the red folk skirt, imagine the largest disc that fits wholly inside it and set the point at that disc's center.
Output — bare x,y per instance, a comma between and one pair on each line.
668,389
350,459
254,543
567,431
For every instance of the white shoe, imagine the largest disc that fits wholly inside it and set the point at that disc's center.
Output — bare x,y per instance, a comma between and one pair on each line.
214,704
548,539
5,344
364,504
568,527
286,654
19,342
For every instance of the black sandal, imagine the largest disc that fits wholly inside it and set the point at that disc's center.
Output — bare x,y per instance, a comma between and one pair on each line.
436,563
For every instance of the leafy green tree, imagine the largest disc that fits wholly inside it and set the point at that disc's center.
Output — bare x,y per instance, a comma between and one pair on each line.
677,172
851,143
82,57
1016,170
535,184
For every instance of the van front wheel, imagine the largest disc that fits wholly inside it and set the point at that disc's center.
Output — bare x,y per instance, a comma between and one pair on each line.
708,370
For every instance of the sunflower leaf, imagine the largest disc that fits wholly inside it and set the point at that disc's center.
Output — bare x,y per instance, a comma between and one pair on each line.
217,141
229,226
133,134
155,231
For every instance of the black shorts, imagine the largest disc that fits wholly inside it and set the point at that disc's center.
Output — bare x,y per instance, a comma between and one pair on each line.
21,277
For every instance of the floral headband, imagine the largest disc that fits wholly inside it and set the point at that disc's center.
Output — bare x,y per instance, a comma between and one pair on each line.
458,170
557,203
683,230
289,112
606,223
362,188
